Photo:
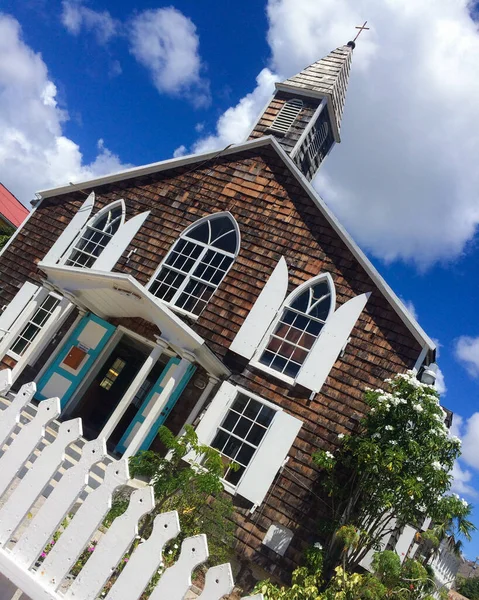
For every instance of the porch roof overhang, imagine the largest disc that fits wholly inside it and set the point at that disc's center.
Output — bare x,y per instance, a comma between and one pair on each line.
117,295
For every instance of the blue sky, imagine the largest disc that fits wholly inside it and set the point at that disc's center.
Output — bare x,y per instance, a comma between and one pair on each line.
87,88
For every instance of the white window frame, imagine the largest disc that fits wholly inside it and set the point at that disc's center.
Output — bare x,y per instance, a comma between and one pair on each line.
228,486
90,223
31,347
171,303
255,361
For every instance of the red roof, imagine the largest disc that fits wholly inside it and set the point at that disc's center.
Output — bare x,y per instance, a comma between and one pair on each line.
10,208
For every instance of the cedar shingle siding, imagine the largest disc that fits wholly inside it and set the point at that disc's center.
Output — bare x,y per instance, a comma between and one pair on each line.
276,218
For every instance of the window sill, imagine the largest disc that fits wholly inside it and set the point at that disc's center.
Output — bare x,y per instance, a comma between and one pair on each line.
13,355
286,378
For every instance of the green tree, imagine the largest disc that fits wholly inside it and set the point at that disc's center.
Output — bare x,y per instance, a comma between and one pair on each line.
394,471
6,233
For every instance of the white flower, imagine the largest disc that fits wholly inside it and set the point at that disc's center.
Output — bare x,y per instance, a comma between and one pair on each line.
455,496
376,435
175,546
419,478
393,443
418,408
436,465
454,438
464,503
329,454
373,410
389,428
340,436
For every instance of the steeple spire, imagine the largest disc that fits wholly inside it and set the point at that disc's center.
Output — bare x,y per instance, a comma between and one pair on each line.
328,78
306,111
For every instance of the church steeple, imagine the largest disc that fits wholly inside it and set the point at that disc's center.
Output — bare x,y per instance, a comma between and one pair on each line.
306,110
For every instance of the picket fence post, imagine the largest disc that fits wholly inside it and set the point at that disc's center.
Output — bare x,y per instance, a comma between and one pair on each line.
43,570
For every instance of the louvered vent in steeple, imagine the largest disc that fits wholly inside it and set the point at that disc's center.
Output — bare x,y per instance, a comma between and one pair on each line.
287,115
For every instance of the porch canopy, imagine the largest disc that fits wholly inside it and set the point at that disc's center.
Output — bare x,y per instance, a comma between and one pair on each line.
117,295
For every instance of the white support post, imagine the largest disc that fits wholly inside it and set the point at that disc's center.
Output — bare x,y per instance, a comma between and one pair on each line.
133,389
154,414
212,381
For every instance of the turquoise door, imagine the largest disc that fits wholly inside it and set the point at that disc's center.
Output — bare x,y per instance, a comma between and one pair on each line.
150,401
75,358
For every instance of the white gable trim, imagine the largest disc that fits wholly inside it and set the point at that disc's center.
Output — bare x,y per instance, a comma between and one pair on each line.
413,326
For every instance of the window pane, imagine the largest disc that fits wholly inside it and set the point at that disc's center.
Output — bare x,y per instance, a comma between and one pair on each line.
35,325
239,435
199,256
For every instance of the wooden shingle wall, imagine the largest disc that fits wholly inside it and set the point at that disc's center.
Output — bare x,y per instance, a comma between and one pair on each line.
276,218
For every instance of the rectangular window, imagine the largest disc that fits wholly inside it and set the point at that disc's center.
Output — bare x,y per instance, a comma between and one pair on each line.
240,433
34,325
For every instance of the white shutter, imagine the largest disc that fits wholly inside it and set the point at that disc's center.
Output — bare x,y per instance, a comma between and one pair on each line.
119,243
70,233
214,414
331,341
264,310
269,457
15,308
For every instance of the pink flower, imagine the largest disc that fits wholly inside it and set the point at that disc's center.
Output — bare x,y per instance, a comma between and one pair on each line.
91,548
52,542
43,554
126,560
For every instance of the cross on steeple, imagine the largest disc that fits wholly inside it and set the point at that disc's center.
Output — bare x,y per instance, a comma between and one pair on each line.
361,29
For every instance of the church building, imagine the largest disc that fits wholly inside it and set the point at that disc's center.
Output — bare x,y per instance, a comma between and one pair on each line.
216,290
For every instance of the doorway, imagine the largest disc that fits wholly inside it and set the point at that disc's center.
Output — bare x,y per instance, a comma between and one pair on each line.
110,383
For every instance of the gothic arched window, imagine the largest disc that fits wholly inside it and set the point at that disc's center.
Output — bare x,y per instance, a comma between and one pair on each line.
298,325
197,263
95,236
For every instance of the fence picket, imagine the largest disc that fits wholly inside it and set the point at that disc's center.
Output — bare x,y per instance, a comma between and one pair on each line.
11,415
218,582
146,559
23,497
80,530
112,547
56,507
26,441
176,580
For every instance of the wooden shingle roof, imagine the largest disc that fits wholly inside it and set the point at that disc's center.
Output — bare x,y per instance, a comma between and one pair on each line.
328,77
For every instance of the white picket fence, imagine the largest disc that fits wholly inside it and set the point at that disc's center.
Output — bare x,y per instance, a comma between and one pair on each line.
27,526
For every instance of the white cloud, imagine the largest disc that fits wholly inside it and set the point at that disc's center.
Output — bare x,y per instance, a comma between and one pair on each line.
461,481
180,151
440,383
75,17
34,152
166,42
235,124
467,352
404,181
470,441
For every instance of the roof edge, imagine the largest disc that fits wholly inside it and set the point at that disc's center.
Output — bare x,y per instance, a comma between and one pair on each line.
169,163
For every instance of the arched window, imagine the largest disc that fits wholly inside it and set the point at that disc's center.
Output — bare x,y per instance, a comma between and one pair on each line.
197,263
96,235
287,115
299,324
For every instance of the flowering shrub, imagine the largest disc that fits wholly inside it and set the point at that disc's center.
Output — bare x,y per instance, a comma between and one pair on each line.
396,470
